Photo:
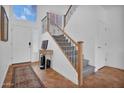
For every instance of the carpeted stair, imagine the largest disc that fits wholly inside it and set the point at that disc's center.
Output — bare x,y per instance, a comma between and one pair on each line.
70,51
88,69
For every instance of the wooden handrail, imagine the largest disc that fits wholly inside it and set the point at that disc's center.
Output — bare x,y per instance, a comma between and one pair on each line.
66,34
43,18
48,22
68,10
67,14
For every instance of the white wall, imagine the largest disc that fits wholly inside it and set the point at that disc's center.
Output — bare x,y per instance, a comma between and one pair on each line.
59,61
35,44
115,21
5,52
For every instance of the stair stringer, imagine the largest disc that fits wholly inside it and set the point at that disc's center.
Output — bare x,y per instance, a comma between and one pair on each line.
59,61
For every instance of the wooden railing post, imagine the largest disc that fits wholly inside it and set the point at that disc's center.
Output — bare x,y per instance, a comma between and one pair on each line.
80,62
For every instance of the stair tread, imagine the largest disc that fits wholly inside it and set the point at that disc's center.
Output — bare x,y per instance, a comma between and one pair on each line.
64,43
88,70
88,67
68,46
61,40
86,62
61,37
57,35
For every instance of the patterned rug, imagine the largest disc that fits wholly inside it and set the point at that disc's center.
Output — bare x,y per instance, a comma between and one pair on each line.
25,77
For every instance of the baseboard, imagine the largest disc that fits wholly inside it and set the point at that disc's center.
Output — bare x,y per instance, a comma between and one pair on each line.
96,69
115,68
21,63
109,67
101,68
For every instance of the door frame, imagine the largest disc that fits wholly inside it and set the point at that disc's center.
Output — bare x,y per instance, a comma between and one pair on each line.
98,47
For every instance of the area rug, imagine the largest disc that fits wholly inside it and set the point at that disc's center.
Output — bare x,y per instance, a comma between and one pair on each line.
25,77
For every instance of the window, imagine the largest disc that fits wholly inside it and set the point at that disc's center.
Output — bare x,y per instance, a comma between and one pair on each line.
25,12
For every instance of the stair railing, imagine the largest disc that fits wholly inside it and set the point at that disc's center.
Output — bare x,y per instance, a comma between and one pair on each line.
69,13
44,24
76,57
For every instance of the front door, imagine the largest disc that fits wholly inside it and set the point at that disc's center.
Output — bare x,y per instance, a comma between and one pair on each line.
21,49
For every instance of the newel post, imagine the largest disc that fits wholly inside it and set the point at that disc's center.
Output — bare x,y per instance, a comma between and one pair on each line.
80,62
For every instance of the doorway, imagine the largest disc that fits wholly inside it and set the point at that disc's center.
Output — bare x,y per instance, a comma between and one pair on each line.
21,48
101,55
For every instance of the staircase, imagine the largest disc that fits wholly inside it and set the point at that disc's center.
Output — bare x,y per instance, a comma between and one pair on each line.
70,53
72,50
